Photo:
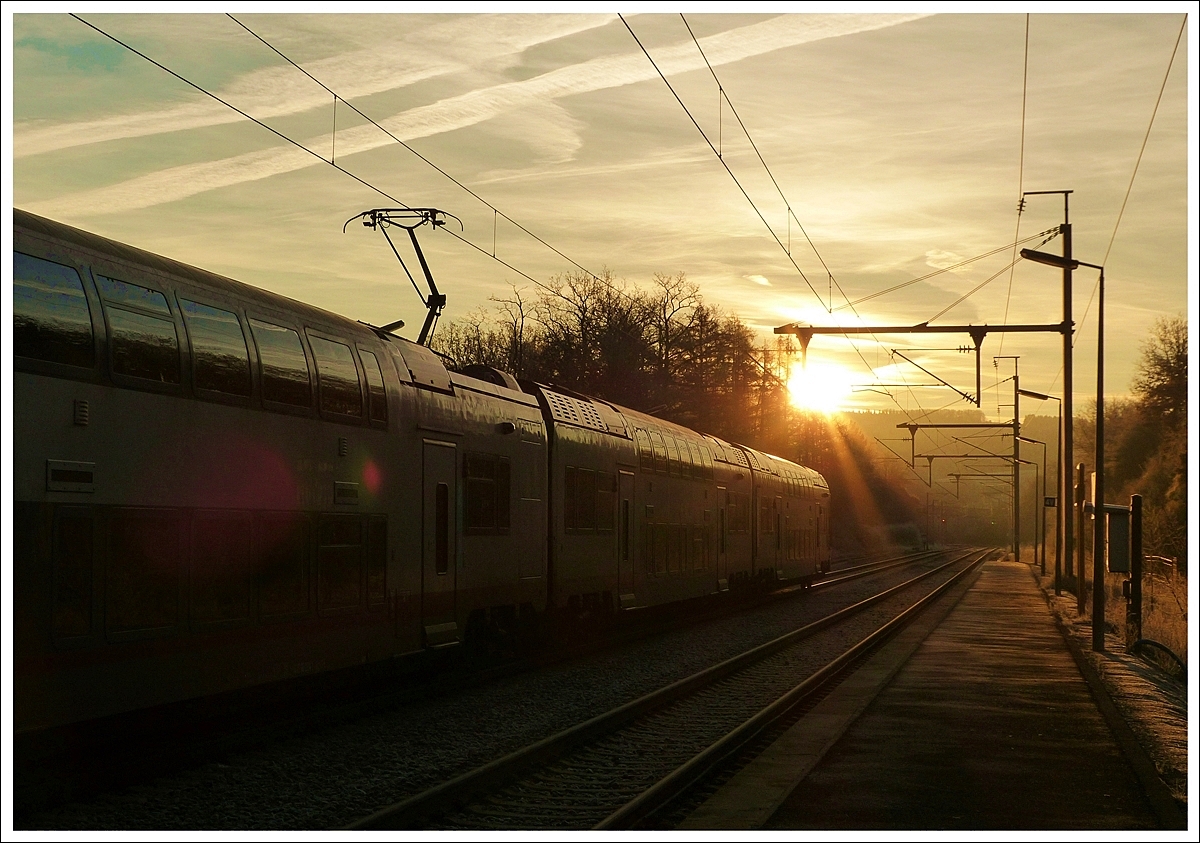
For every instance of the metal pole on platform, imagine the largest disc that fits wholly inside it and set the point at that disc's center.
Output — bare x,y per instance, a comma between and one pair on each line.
1100,537
1080,494
1133,610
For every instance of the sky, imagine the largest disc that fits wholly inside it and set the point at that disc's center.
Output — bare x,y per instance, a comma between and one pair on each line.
901,142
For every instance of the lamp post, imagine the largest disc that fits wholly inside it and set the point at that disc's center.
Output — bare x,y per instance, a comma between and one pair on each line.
1098,541
1036,480
1061,513
1043,473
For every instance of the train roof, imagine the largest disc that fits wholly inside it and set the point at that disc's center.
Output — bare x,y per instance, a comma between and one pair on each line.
115,250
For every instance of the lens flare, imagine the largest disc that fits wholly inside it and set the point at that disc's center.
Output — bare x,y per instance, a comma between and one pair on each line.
820,387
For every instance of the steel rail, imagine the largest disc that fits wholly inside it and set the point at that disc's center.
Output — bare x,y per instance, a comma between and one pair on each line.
449,796
661,794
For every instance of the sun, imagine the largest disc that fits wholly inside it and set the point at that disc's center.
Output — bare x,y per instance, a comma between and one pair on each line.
820,387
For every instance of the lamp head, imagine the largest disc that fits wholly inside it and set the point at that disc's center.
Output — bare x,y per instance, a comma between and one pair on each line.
1049,259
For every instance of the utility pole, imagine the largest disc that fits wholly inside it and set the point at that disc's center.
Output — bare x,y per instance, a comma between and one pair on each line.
1067,452
1016,455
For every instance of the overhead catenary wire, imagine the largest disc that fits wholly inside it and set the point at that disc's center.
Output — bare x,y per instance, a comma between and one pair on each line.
725,97
363,181
959,265
1020,180
497,212
737,182
1128,191
721,158
291,141
1133,175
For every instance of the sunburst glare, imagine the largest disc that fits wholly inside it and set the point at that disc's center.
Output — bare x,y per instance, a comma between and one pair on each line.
820,387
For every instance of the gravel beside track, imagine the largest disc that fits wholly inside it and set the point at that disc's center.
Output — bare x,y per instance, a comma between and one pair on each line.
341,773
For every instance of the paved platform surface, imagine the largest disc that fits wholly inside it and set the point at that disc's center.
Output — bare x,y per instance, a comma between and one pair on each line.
977,717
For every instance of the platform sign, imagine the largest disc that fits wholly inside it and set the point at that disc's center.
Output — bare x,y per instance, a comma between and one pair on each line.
1051,502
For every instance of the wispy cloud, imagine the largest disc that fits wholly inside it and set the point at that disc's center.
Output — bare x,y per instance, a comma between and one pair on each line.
473,108
281,90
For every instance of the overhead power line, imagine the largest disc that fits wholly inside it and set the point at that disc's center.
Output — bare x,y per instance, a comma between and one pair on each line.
294,142
791,214
338,98
1020,180
721,158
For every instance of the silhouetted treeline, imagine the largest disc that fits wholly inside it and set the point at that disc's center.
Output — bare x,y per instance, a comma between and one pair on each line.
664,351
1145,441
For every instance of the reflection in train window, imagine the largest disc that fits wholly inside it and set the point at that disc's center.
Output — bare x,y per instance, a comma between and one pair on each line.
660,452
143,341
51,317
339,563
282,365
606,501
673,455
375,389
487,494
133,295
142,578
220,360
645,450
283,572
337,377
220,573
143,346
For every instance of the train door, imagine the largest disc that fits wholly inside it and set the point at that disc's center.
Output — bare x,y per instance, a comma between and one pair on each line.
722,543
438,546
626,544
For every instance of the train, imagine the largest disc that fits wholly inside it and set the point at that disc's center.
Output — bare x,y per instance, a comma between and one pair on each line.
215,488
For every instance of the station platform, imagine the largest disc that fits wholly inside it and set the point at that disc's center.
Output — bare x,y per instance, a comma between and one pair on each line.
976,716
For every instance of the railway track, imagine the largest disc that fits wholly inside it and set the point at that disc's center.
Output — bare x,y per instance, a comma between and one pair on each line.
624,767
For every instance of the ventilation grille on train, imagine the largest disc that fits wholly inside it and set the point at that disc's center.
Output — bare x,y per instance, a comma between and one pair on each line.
564,408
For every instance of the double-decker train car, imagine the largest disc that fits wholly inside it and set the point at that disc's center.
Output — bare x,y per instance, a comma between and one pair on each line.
216,487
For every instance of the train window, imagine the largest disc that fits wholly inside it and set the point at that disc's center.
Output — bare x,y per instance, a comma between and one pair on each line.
143,341
282,568
337,378
660,452
707,459
376,391
606,501
282,365
142,577
220,573
339,563
766,515
220,360
376,560
673,455
645,450
739,512
487,478
143,346
133,295
585,500
51,317
685,458
72,613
